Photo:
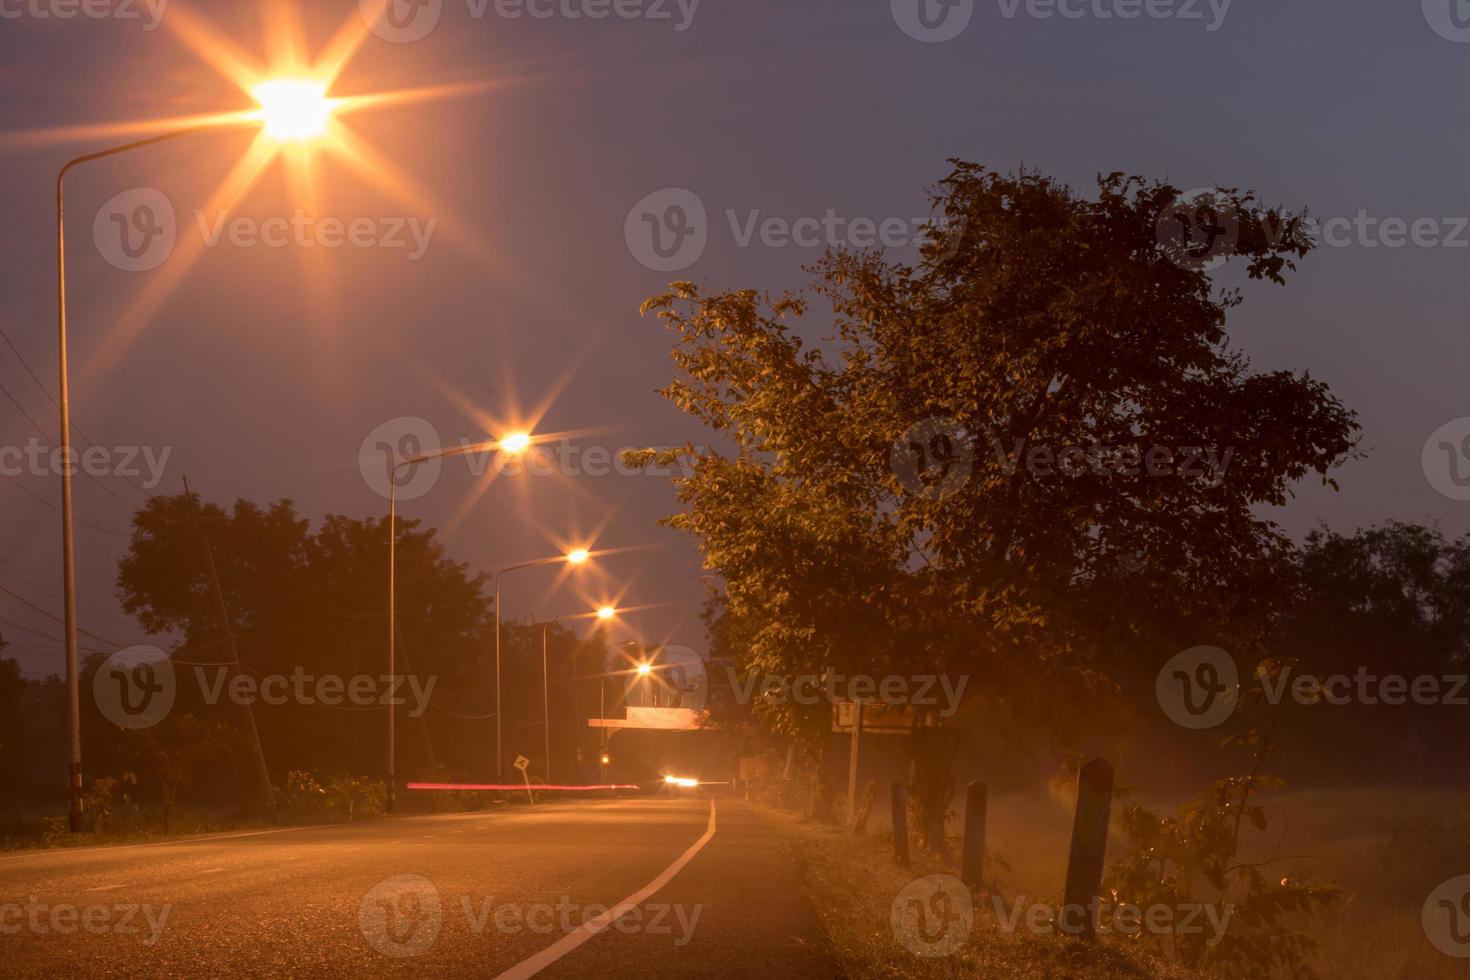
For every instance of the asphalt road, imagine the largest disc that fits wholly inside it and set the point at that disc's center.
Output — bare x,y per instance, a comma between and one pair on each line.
514,892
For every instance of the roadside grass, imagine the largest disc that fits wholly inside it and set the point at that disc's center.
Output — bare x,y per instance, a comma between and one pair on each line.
1387,851
50,832
852,880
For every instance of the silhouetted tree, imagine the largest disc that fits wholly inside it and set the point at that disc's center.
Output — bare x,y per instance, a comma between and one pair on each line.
881,509
316,602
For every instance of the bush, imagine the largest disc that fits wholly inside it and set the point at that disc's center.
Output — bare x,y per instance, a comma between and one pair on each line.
101,802
309,797
355,797
1191,860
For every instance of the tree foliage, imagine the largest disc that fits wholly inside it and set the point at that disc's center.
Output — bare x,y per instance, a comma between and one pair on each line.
1035,318
314,601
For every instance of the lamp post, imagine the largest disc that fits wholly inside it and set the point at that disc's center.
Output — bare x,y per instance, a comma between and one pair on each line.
577,556
604,613
288,111
515,443
545,702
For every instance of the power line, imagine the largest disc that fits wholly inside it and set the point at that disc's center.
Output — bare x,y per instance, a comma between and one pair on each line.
57,619
130,504
20,357
48,504
29,629
55,593
46,392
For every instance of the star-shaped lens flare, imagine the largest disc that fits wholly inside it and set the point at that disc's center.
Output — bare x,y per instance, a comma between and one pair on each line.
297,117
293,109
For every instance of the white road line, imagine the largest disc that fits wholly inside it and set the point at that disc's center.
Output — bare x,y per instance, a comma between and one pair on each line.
533,965
211,871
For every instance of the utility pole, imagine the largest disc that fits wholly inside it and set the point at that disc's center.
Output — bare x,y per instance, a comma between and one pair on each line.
852,762
602,720
68,554
546,701
263,791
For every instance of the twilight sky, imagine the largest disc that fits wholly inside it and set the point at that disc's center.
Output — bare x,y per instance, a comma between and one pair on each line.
520,202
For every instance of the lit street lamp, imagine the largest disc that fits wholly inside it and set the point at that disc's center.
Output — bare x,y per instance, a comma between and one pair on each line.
512,444
577,556
289,110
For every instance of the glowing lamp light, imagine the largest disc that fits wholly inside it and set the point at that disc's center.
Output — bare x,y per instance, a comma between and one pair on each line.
681,782
293,109
606,612
578,555
606,759
645,669
516,442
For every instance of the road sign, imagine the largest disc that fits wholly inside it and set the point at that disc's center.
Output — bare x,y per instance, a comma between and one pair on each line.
522,763
878,718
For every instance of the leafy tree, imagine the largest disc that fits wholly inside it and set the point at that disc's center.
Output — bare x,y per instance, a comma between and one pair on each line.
879,508
1402,581
1385,601
176,748
315,602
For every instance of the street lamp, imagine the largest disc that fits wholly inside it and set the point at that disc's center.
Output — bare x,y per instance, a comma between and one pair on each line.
289,110
293,108
577,556
511,444
516,442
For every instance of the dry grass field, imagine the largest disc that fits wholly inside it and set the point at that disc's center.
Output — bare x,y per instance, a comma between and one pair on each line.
1386,850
